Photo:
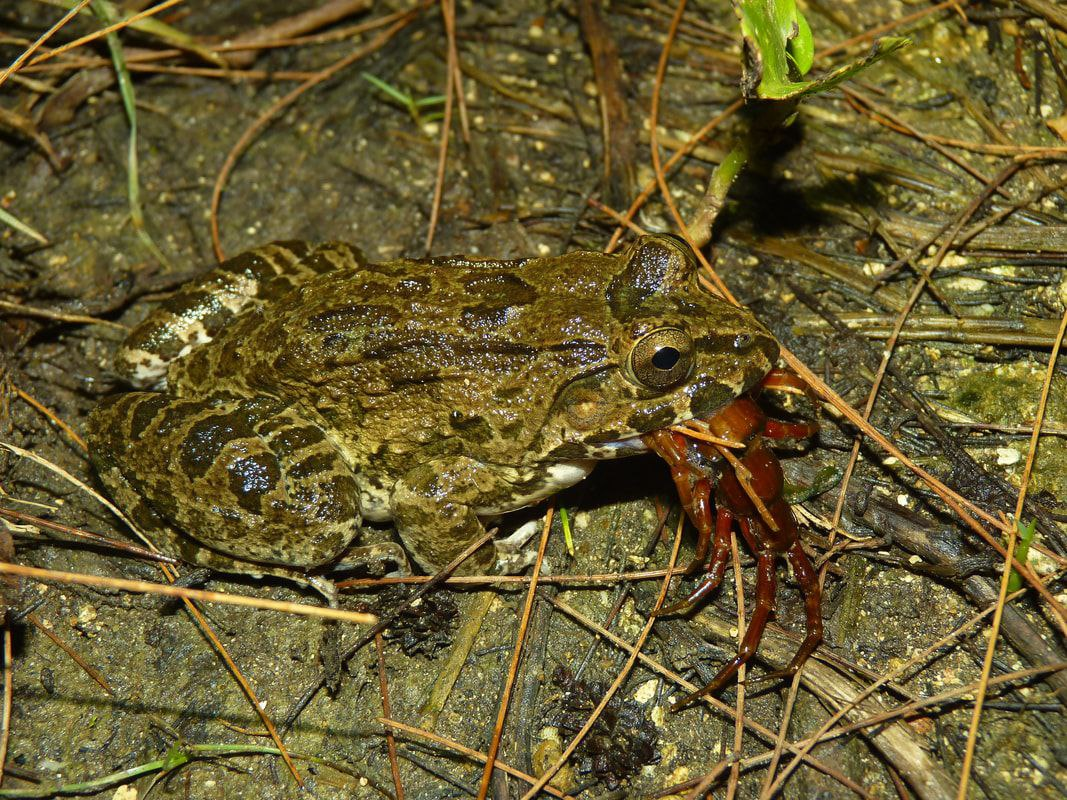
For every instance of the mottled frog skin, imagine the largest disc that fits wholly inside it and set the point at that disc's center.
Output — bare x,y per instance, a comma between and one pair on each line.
297,390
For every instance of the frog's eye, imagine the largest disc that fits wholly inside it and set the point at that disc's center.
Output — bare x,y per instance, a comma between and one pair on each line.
662,358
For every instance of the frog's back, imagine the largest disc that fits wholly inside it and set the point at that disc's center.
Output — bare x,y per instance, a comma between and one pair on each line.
442,352
456,318
396,356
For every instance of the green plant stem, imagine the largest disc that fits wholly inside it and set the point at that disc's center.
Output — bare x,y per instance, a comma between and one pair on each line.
177,756
1022,550
722,179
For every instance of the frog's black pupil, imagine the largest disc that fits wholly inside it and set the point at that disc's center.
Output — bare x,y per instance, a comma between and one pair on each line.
665,358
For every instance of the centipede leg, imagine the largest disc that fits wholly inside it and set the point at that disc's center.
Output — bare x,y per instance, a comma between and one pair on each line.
699,511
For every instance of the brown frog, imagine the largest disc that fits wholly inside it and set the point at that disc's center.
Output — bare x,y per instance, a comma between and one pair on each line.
298,389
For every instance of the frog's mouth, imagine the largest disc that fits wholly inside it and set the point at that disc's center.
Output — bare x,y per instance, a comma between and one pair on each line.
620,448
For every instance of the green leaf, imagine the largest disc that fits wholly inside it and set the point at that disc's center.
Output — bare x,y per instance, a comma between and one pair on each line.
779,50
768,27
568,540
802,46
881,49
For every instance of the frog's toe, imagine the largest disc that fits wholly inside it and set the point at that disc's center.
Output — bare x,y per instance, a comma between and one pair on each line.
374,557
514,552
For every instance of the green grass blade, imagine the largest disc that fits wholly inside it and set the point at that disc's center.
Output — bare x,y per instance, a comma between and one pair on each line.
12,221
567,539
397,94
105,12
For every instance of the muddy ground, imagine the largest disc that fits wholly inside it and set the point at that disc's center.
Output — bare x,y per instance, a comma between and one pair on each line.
809,230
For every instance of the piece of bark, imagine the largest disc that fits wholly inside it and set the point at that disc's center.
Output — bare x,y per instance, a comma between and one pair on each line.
617,130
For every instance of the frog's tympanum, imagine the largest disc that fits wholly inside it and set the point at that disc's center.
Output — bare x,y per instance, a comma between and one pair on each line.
297,390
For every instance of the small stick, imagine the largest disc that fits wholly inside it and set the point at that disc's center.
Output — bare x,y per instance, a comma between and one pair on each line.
147,587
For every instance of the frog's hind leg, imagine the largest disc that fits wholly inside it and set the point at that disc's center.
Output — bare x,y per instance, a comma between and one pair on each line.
246,478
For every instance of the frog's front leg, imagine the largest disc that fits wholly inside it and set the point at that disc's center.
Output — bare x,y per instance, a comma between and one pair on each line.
436,508
247,478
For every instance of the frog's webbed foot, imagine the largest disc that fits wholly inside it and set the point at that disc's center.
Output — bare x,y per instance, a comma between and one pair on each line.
434,506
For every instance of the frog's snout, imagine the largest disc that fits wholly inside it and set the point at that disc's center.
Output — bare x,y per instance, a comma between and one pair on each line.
761,342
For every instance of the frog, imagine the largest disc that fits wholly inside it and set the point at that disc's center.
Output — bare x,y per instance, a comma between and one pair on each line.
299,390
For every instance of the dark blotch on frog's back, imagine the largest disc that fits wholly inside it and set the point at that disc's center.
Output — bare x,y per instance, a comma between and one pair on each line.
354,317
315,464
472,427
147,409
412,371
500,287
291,439
252,477
493,299
206,438
412,287
485,317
